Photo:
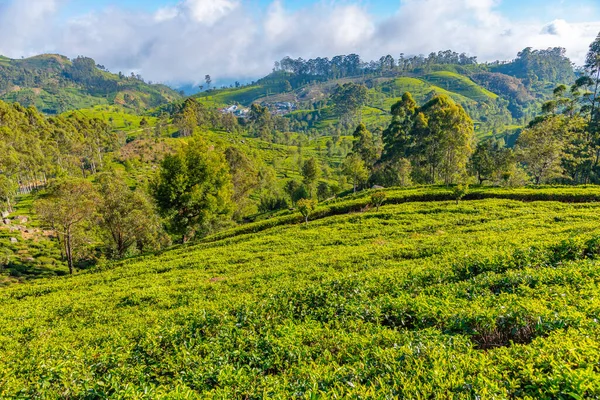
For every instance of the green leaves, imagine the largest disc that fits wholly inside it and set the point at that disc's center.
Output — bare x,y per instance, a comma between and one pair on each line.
194,189
494,299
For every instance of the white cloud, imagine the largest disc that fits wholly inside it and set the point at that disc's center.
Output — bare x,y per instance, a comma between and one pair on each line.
228,39
209,11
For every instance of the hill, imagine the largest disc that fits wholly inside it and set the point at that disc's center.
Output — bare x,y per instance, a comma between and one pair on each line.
490,298
498,96
55,84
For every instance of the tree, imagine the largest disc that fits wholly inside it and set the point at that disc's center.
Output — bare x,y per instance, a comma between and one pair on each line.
68,205
306,207
348,99
127,216
460,191
230,122
444,134
540,148
261,120
364,145
397,138
592,66
187,120
355,169
378,198
323,191
193,189
490,160
244,177
8,191
208,81
310,172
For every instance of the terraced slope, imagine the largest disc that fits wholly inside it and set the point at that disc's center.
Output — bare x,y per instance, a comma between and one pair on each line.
485,299
461,85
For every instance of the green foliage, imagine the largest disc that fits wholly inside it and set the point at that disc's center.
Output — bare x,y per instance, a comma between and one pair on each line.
306,207
55,84
311,172
349,98
193,189
493,299
67,209
364,145
437,138
355,169
378,198
127,216
460,191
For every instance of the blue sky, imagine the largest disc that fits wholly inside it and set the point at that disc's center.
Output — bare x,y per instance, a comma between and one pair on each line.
514,9
181,40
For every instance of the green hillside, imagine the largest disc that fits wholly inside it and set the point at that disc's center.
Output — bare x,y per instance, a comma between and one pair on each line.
462,85
489,298
54,84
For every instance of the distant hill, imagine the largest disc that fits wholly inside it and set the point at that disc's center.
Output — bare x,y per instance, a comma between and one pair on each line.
499,96
55,84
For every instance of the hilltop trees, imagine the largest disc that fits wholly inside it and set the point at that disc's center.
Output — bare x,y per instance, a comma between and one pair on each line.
193,189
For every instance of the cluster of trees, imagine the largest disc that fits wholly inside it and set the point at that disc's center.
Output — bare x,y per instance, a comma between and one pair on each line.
435,142
33,147
190,114
550,65
107,217
351,65
426,144
538,66
199,188
563,144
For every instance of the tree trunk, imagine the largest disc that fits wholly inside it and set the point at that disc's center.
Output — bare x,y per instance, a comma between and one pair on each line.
69,250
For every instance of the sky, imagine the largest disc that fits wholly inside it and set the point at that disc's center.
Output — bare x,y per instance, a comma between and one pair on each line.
180,41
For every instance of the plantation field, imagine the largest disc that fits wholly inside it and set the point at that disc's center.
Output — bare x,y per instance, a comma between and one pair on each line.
117,118
425,298
460,84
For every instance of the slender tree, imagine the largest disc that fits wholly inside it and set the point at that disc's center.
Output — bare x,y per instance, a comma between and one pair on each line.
68,205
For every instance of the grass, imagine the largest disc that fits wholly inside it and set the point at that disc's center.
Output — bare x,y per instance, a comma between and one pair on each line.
490,298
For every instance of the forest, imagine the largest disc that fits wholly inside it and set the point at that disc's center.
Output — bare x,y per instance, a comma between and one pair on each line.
410,227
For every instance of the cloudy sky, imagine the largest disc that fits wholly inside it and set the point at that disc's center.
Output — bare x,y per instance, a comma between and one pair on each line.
181,41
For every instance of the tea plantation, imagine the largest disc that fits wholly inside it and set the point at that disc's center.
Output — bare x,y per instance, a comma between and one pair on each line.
425,298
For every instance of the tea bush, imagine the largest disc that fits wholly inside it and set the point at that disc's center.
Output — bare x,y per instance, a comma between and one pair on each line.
491,298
